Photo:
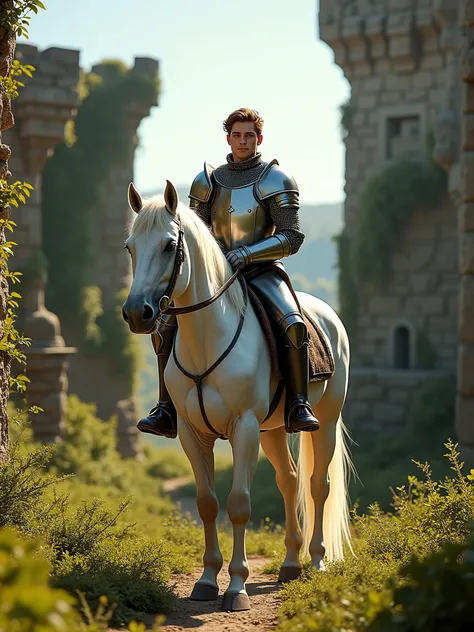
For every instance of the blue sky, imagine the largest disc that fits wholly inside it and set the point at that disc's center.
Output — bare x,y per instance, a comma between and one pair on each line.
216,56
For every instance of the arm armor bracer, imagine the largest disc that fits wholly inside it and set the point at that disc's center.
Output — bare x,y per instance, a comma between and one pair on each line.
269,249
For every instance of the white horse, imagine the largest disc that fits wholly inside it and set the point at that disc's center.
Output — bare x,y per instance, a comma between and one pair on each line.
236,395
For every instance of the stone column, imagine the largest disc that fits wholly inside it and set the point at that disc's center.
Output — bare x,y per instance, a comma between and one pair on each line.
47,365
45,104
465,397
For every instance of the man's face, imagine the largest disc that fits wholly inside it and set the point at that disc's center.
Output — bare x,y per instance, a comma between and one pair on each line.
243,141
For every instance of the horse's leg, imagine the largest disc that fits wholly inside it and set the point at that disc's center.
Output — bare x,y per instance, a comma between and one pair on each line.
199,450
323,445
245,442
275,445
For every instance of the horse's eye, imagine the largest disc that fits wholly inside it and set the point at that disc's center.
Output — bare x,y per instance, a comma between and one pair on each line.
125,247
170,246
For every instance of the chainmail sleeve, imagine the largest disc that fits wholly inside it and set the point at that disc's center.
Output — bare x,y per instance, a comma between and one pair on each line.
284,213
202,210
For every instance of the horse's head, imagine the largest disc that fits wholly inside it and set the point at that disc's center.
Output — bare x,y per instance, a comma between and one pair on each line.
155,243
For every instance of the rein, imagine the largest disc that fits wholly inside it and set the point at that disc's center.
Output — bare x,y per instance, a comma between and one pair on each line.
165,300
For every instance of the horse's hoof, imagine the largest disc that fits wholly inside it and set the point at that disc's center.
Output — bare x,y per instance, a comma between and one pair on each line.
289,573
235,602
204,592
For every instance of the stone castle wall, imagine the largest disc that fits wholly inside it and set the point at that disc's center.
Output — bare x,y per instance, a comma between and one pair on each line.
397,57
463,175
93,378
45,104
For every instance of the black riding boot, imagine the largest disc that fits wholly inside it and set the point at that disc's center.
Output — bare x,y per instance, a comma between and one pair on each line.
298,414
162,418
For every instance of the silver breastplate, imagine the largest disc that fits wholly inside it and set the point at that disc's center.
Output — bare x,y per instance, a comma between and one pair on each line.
237,217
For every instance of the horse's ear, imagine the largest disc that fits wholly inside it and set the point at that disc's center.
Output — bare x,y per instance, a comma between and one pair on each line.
134,198
171,198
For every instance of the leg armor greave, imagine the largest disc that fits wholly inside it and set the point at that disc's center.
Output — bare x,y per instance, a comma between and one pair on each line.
162,418
295,366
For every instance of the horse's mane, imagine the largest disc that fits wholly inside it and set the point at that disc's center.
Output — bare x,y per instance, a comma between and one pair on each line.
154,213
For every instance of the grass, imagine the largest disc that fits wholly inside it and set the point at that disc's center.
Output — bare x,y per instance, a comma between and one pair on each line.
393,550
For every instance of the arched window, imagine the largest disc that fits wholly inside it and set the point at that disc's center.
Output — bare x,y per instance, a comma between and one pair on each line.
402,347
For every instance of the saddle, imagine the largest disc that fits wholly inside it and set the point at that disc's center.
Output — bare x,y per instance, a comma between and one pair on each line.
321,361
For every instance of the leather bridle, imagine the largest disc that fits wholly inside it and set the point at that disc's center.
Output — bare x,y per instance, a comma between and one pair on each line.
164,304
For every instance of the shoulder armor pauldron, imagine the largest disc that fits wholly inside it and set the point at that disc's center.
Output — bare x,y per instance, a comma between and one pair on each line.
203,185
274,180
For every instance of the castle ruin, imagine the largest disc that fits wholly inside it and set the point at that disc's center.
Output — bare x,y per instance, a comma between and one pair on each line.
406,61
47,102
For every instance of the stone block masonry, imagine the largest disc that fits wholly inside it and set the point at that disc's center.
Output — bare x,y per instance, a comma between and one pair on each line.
465,396
45,104
401,60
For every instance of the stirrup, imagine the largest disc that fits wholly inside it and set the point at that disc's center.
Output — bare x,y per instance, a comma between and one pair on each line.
310,425
161,421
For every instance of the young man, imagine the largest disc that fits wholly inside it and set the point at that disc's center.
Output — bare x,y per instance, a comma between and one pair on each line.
252,209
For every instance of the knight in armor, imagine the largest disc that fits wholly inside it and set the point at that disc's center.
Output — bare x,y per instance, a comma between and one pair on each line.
251,207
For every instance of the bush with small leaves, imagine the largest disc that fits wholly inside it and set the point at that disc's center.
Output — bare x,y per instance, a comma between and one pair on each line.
27,602
427,531
438,593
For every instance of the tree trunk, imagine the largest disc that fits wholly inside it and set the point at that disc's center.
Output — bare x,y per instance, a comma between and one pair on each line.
7,50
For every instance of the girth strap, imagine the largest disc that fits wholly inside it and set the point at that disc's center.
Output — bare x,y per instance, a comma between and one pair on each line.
198,379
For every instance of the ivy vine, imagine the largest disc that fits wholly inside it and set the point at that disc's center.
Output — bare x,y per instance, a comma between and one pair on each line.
14,18
386,203
72,183
347,112
11,83
347,287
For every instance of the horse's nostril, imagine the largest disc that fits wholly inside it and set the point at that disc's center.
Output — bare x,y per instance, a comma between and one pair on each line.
125,315
148,312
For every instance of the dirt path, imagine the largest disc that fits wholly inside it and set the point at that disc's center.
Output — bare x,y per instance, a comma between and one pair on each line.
207,615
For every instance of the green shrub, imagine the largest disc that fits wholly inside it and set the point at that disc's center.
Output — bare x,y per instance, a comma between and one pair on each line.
166,463
427,516
26,600
23,483
89,446
29,604
437,594
131,573
88,543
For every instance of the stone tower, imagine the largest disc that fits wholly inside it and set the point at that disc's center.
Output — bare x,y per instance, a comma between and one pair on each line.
44,106
456,138
398,57
93,378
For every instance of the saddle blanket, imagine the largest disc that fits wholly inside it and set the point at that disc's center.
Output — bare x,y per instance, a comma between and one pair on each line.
321,361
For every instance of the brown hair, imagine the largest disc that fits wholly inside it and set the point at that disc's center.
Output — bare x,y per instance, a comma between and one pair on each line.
244,115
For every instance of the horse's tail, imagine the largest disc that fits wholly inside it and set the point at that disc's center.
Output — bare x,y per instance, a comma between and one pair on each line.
336,520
